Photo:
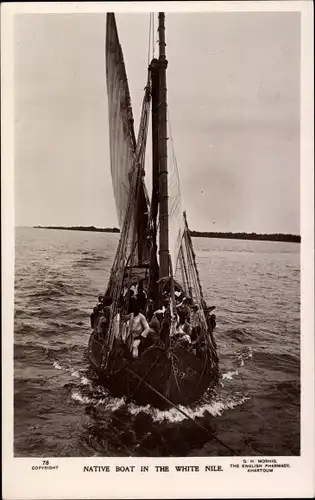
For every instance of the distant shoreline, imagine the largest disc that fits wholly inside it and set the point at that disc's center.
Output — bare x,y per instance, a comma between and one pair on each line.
292,238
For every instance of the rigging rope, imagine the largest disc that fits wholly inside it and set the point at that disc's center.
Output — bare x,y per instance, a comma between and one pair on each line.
175,206
154,42
149,48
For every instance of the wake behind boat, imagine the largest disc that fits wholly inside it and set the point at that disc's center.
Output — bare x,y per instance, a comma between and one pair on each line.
152,338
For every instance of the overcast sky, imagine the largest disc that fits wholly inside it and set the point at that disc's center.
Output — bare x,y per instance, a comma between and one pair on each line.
234,103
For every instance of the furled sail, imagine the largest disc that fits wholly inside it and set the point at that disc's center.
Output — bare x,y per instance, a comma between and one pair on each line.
121,130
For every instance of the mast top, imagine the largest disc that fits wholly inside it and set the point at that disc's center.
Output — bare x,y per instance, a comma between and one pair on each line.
162,44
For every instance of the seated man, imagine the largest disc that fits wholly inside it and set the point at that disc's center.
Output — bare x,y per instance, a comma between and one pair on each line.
155,323
102,325
166,308
185,306
166,328
94,317
178,297
195,322
107,306
183,328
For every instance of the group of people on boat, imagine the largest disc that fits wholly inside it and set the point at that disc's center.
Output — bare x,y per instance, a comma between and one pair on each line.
143,326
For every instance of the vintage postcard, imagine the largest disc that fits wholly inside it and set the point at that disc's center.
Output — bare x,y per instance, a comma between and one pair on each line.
158,250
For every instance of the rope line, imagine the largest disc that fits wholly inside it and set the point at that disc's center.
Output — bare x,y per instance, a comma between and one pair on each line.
154,42
144,377
149,48
183,412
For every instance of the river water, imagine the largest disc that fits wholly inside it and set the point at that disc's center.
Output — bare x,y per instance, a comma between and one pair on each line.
59,410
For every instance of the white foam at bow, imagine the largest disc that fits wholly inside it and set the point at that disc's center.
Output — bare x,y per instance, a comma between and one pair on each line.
215,408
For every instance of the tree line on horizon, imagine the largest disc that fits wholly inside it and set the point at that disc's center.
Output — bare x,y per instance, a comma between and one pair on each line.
293,238
82,228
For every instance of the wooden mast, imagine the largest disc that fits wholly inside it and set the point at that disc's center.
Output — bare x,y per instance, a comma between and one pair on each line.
154,270
162,148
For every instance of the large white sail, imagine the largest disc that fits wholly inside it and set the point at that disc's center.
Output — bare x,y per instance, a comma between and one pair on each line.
123,143
121,131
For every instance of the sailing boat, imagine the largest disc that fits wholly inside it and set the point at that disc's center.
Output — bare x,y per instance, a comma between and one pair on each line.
155,255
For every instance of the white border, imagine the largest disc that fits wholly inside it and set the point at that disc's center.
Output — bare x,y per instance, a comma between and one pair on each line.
20,482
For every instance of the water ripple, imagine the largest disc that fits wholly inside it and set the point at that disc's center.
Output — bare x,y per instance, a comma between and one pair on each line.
61,410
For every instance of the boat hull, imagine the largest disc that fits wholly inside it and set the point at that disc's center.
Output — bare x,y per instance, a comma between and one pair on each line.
159,377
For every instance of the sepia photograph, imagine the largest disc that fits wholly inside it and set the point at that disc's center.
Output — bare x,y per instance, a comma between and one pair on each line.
157,234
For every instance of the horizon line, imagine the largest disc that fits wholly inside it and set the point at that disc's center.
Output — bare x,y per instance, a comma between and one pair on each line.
115,228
